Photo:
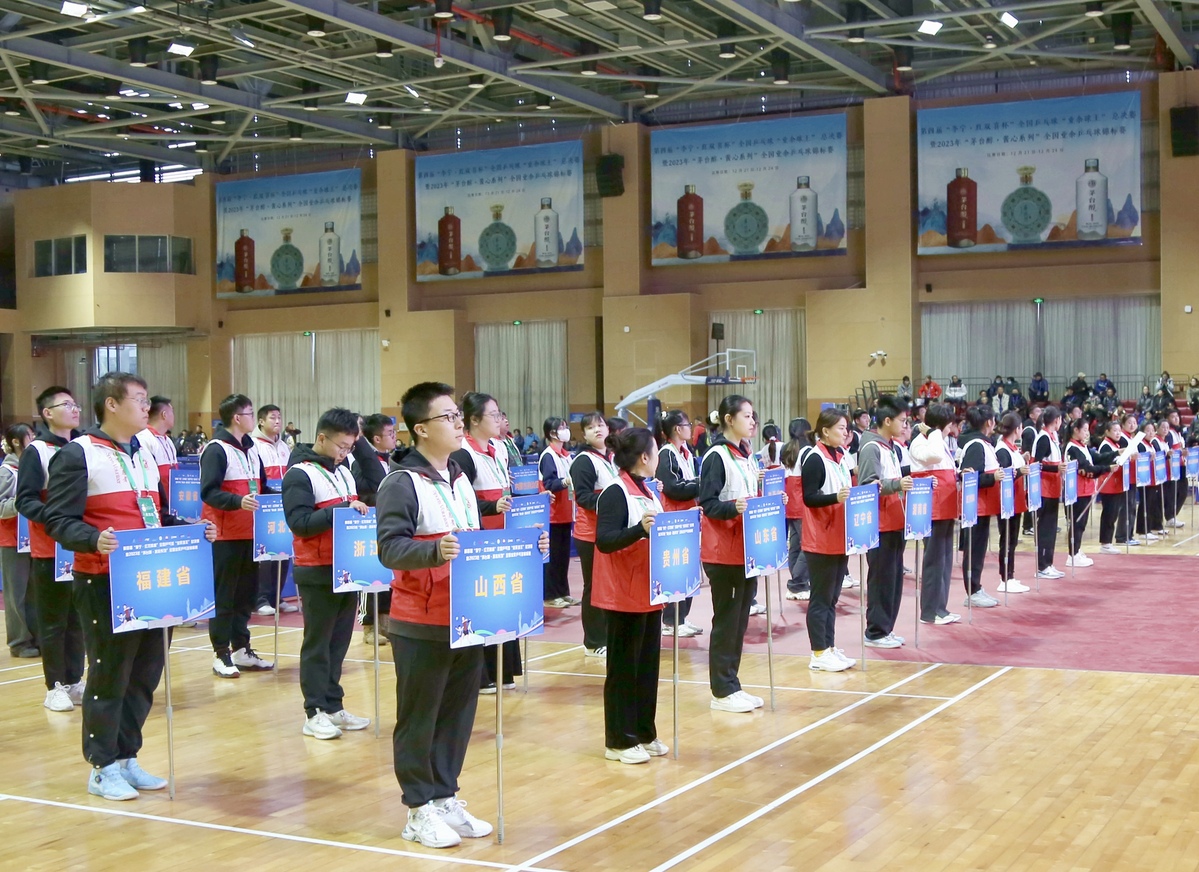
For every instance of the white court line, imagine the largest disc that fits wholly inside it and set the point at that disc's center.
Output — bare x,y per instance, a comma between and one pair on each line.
752,686
266,834
19,680
716,773
555,653
207,646
824,776
383,661
34,662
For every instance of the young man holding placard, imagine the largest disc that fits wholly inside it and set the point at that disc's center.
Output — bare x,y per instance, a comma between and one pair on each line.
317,483
102,482
273,452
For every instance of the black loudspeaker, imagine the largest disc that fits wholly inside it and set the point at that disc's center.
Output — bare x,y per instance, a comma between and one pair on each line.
718,332
146,170
609,175
1184,131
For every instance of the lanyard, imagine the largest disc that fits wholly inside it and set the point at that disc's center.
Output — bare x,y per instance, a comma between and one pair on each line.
129,473
332,481
500,472
750,487
448,502
842,476
608,465
243,460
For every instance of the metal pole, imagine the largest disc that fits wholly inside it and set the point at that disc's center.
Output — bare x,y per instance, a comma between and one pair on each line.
1011,570
166,673
917,574
1128,524
862,575
675,682
375,636
1161,493
524,667
499,744
769,642
1070,536
1036,546
278,602
969,533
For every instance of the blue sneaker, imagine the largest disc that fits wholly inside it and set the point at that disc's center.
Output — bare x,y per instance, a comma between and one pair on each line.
107,783
138,778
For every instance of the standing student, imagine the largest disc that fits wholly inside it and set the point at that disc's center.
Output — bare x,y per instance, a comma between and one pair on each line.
1149,506
553,473
1009,455
1048,452
591,471
1088,471
20,614
314,486
727,480
509,445
931,458
371,457
231,478
484,463
879,460
59,634
826,479
421,504
102,482
1174,491
273,452
770,455
978,454
1028,437
678,474
156,440
1113,518
624,516
799,586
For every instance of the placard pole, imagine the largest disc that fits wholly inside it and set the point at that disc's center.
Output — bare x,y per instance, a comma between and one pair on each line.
499,744
375,636
1070,535
1036,547
769,640
524,667
675,681
278,604
968,533
862,575
917,574
166,675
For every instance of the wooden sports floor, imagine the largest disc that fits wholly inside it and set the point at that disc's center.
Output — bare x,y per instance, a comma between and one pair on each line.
905,766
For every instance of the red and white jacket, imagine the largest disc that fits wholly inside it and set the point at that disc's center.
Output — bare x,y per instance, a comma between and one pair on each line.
8,503
1011,451
228,472
274,454
1051,479
620,581
722,538
162,449
824,526
590,474
310,483
487,470
931,459
562,505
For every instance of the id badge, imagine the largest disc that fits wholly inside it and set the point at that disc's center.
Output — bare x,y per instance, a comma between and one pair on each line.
253,487
149,512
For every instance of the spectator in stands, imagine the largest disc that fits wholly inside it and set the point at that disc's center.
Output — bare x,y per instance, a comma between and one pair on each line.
996,384
532,446
1166,382
1163,401
920,411
1193,395
1102,384
518,439
1192,434
1111,403
1001,403
1144,402
983,399
956,392
1038,389
904,391
930,390
1079,392
1013,387
1019,404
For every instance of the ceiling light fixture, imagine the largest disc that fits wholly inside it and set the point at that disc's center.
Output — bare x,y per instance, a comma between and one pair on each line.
295,131
75,10
139,46
383,48
903,58
476,82
543,102
652,10
590,67
112,89
43,144
855,13
501,25
411,90
989,41
930,27
201,148
1094,10
724,30
443,9
1009,19
780,66
356,97
209,64
12,107
180,46
385,121
39,73
239,36
426,108
1122,31
218,119
316,27
651,88
309,103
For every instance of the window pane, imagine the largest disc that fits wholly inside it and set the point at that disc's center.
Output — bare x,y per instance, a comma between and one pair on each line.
153,255
43,257
181,255
120,254
80,254
64,250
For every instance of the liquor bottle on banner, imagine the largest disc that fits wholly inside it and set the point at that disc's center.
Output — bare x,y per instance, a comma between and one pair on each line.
1026,211
449,243
287,264
746,225
497,242
243,263
804,234
330,249
961,200
691,224
1090,196
545,231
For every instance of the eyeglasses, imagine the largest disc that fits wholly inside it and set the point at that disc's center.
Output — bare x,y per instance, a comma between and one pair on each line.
140,402
69,406
495,416
451,417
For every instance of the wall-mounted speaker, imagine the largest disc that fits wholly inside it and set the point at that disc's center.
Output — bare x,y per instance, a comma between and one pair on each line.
718,332
609,175
1184,131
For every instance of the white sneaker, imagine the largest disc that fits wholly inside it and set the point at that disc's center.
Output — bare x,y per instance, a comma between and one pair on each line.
222,665
58,698
734,702
849,582
800,595
1152,537
695,629
319,726
247,658
107,783
347,721
288,607
427,825
453,812
686,631
900,639
1050,572
601,652
884,642
1132,543
1176,523
632,756
980,599
756,701
265,610
827,662
656,748
947,618
138,778
845,658
1012,586
757,609
75,692
1079,561
1108,549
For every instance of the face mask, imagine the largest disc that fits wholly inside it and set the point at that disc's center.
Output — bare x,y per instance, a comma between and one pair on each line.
564,435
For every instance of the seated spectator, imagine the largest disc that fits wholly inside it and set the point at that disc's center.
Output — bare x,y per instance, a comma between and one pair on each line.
1166,382
956,392
1038,389
1079,390
996,384
930,390
904,391
1102,384
1192,435
1163,401
1144,402
1001,403
1013,386
983,399
1019,404
1193,395
1111,403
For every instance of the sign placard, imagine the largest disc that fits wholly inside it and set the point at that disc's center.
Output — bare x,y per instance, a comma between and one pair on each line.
918,510
1144,469
674,572
1007,493
969,498
1159,467
495,587
1175,465
524,479
24,541
1192,462
530,512
861,519
764,526
774,481
1032,486
1126,475
356,565
272,536
1070,482
160,577
184,492
64,561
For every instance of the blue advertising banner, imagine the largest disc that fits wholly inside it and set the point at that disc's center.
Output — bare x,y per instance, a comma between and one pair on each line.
184,492
774,481
1144,469
23,539
861,519
530,512
502,211
1159,467
1007,493
918,510
1192,462
969,498
289,234
524,479
1057,173
272,536
1175,465
160,577
1032,486
495,587
748,191
764,526
1070,483
356,565
674,572
64,561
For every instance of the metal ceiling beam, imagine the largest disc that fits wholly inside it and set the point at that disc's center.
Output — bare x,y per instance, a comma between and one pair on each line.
791,30
397,32
1169,26
159,155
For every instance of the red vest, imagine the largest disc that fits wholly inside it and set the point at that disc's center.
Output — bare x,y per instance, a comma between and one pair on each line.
723,542
111,496
620,580
41,546
328,489
824,527
686,462
1051,480
605,474
1086,484
562,507
240,468
487,484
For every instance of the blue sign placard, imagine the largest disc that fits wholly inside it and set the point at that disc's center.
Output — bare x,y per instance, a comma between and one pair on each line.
24,541
1159,467
774,481
160,577
356,565
1126,473
918,510
184,492
1192,462
1070,483
969,498
495,587
1175,465
1144,469
530,512
861,519
674,572
64,562
651,485
1007,493
1032,486
524,480
764,526
272,536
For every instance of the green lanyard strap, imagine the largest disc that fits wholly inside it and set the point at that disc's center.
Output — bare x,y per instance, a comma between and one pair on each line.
448,502
129,473
332,481
750,487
